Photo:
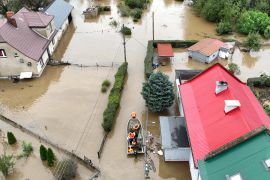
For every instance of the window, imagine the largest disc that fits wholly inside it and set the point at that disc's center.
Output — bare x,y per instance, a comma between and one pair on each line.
2,53
16,54
234,177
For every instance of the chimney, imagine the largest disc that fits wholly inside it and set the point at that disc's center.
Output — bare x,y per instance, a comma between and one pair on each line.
231,105
221,86
11,20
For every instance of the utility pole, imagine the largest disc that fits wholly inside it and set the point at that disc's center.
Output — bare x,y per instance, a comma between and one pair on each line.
153,25
124,43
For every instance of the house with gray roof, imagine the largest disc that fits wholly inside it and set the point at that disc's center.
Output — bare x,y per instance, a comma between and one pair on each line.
25,43
61,10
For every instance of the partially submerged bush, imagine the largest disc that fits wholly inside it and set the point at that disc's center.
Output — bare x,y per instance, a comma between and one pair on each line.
106,83
136,13
6,164
43,153
224,27
234,68
253,41
114,98
50,157
125,30
11,138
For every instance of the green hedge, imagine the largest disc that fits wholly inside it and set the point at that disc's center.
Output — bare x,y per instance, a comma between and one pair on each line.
148,61
114,98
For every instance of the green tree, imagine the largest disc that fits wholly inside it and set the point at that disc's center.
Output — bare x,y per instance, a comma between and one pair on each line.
50,157
6,163
253,41
266,33
253,21
224,27
43,153
11,138
69,170
158,92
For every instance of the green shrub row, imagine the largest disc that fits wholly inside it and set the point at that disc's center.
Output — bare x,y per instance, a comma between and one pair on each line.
260,82
114,98
148,61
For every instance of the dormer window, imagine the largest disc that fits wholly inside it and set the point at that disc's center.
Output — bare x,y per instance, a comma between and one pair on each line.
234,177
231,105
221,86
3,53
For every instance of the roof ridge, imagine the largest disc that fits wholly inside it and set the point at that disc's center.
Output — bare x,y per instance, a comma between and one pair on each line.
237,141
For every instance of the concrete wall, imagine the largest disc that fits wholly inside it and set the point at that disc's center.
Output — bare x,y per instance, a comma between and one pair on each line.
13,66
179,100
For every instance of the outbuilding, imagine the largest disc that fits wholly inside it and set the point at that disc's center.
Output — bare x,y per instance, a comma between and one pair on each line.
165,52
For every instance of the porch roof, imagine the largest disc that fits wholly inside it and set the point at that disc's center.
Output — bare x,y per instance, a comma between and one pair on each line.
165,50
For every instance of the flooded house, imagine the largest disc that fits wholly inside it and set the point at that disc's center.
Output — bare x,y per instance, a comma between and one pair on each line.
61,10
226,126
206,50
26,43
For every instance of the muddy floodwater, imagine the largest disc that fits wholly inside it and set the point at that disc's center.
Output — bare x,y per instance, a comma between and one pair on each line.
65,105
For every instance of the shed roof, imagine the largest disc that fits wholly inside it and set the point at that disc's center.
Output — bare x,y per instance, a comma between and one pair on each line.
173,132
245,158
207,46
60,9
209,127
23,38
165,50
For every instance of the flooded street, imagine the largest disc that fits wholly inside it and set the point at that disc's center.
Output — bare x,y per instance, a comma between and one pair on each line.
66,104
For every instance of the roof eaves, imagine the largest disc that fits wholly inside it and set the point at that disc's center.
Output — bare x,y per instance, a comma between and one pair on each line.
237,141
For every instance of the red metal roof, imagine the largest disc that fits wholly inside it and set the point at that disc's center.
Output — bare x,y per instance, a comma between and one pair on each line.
208,126
207,46
165,50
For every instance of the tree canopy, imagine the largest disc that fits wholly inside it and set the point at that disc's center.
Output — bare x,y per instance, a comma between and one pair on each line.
158,92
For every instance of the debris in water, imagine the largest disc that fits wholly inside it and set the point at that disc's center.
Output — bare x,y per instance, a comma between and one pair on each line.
160,153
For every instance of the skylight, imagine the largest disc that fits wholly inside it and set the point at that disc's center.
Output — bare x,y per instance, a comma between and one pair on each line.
267,164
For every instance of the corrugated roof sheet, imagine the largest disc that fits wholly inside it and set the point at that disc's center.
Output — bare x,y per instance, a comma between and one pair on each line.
246,158
207,46
209,127
23,38
37,19
165,50
60,9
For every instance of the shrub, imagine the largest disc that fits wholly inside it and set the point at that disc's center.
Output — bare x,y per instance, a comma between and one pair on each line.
124,10
103,89
135,3
266,32
125,30
43,153
136,13
224,27
6,163
50,157
27,149
148,60
158,92
114,98
253,41
252,22
11,138
233,68
106,83
267,109
114,23
69,170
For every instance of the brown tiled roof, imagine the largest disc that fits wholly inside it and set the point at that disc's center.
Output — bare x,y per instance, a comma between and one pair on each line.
23,38
207,46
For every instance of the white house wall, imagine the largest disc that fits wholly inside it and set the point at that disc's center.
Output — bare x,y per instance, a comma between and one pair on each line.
180,105
13,66
202,58
212,57
194,172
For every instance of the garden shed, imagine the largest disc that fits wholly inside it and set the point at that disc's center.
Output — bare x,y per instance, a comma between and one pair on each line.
165,52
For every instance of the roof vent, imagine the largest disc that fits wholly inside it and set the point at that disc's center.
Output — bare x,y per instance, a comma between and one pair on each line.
234,177
231,105
267,164
221,86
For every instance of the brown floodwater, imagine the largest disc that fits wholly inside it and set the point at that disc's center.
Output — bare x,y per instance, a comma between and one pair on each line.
66,105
